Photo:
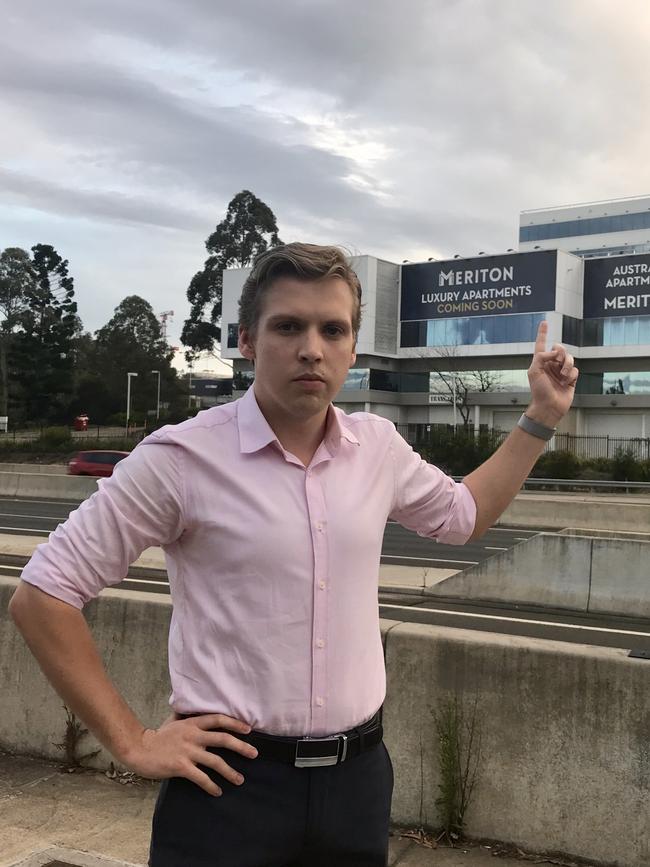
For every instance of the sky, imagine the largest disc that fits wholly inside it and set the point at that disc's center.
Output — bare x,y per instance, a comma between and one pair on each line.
401,130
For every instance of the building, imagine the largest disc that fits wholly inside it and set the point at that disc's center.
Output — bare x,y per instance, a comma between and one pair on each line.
444,342
616,227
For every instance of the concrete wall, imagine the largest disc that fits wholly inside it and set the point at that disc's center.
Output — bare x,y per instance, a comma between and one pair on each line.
565,729
49,486
565,733
130,629
558,512
57,469
591,574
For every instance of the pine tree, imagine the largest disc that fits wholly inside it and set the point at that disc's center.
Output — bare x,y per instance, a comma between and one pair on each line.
248,229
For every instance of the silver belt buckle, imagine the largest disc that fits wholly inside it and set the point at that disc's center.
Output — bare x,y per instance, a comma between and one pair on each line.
322,761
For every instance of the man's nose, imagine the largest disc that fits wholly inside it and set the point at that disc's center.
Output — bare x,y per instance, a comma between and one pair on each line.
311,347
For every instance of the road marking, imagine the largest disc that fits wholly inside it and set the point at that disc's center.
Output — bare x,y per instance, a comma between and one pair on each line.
52,502
519,620
12,568
492,548
511,530
429,559
26,530
145,581
37,517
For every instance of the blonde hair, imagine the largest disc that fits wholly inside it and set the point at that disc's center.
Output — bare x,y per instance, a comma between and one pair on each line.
304,261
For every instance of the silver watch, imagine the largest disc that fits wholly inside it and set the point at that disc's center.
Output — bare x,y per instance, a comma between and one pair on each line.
534,428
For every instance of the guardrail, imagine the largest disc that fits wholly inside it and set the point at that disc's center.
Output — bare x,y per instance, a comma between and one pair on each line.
580,484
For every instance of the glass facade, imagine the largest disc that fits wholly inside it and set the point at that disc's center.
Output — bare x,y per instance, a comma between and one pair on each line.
600,252
609,331
483,380
587,226
614,382
386,380
358,377
472,330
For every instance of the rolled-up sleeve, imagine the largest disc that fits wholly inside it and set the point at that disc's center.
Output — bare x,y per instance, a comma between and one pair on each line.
428,501
140,505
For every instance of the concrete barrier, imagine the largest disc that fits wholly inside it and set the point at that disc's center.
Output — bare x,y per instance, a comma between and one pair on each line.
57,469
546,569
48,486
565,729
581,573
620,577
555,512
130,629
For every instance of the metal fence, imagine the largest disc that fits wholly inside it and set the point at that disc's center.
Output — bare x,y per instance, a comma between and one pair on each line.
581,446
86,436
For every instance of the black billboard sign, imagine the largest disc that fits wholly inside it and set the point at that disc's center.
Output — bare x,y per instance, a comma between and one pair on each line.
617,286
485,286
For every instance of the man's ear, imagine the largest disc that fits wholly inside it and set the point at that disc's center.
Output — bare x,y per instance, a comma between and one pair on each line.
246,344
354,354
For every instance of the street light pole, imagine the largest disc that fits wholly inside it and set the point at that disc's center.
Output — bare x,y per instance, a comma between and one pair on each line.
158,401
128,399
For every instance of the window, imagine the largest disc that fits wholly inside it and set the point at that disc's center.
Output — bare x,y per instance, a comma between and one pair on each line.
472,330
586,226
233,334
615,382
357,378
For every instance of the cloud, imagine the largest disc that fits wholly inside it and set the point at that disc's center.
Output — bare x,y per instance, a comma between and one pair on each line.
403,130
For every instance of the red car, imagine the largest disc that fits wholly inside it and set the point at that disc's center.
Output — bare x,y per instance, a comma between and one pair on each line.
95,463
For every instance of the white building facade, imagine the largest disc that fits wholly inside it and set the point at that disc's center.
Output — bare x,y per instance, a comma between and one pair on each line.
431,328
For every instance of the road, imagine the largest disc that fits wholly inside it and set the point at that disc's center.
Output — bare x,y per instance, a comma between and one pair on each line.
401,547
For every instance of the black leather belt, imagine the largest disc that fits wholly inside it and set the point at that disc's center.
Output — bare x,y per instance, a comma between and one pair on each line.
308,752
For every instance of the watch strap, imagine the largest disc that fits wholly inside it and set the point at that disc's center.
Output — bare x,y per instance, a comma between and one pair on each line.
534,428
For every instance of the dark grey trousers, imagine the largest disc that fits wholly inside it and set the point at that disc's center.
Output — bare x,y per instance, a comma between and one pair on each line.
282,816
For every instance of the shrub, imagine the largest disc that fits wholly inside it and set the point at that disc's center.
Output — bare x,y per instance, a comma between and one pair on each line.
55,438
625,467
458,453
557,465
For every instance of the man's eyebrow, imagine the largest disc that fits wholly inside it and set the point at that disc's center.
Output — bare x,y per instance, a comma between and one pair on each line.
292,317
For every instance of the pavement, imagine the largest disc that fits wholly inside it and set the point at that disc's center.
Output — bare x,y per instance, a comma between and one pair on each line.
88,819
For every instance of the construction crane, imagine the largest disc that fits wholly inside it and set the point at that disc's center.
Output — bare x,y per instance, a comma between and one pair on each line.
164,317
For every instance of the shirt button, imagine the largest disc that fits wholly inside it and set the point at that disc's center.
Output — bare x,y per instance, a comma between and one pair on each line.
321,584
320,702
319,527
320,643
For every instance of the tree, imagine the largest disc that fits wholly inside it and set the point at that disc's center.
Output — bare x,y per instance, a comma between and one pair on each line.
48,325
248,229
131,341
16,280
459,384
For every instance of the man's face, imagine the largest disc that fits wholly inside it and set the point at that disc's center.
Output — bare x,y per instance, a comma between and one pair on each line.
303,347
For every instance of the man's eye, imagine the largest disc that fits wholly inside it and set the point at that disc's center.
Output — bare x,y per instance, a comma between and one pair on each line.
334,330
287,326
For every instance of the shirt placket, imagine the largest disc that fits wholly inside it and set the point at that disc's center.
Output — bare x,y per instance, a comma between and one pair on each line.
321,585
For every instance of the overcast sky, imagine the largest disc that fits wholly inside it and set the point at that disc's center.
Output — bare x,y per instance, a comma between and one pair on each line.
400,129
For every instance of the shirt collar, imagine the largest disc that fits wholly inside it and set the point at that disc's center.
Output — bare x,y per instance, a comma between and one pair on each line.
255,432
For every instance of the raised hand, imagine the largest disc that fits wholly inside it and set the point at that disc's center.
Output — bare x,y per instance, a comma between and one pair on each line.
552,376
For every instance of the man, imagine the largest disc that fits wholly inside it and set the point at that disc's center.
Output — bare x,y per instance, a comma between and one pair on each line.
271,512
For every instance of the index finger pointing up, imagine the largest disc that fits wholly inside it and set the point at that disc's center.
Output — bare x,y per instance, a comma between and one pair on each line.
540,340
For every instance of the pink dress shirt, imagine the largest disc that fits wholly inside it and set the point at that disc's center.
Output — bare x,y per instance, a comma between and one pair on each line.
273,566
